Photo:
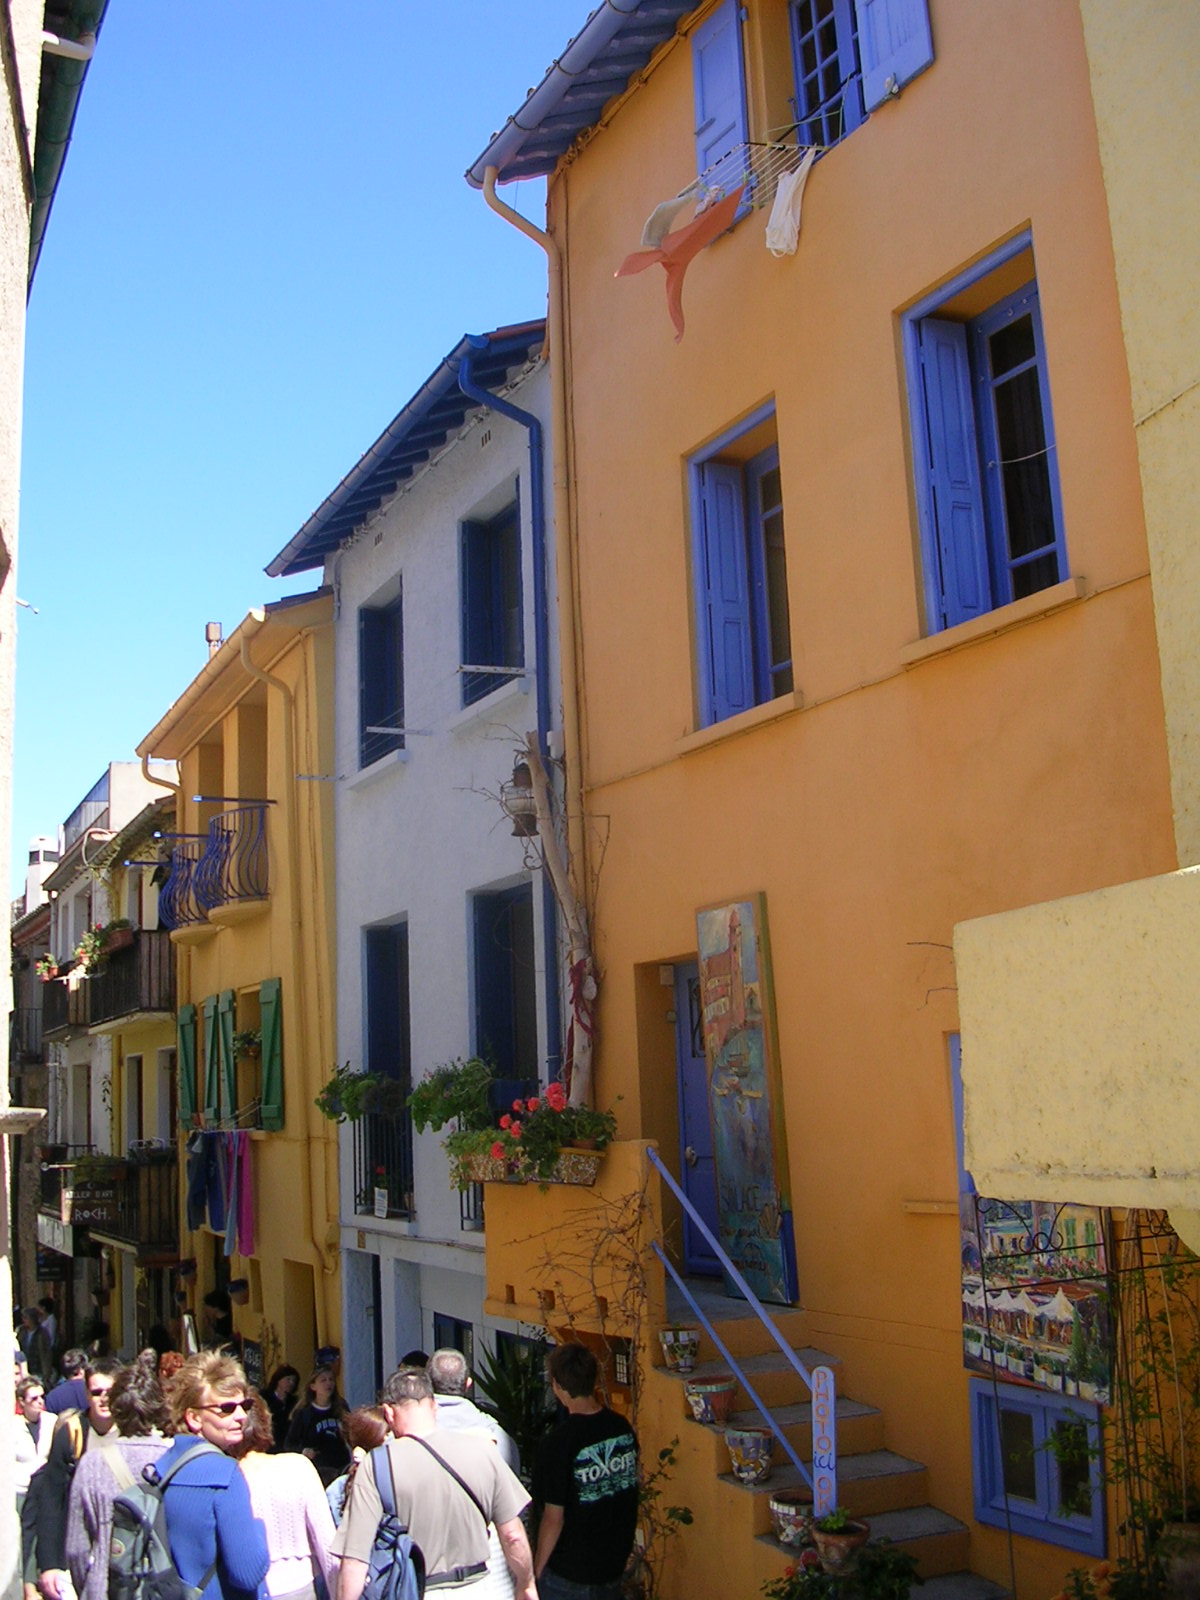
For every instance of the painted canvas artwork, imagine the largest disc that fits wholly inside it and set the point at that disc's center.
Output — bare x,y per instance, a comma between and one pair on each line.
737,1001
1035,1296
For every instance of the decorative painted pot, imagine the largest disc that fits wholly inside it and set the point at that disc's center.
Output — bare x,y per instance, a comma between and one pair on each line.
710,1399
749,1454
792,1517
679,1347
837,1549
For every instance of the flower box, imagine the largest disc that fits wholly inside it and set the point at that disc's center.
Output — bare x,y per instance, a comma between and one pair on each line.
573,1166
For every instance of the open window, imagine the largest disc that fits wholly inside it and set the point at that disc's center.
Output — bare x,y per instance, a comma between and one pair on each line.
850,56
740,570
493,635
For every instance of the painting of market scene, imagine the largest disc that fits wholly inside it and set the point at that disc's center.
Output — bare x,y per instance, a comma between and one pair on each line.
1034,1295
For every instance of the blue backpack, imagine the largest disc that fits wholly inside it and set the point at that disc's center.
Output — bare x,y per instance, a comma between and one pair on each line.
396,1570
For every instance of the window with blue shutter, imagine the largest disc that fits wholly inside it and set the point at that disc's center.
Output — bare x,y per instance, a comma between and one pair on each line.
740,572
849,56
380,680
719,82
983,446
506,982
493,634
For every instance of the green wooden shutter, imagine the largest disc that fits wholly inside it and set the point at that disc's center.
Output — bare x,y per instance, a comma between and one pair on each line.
225,1007
271,1007
212,1062
187,1065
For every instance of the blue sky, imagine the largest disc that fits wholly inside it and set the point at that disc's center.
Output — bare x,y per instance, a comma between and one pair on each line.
262,244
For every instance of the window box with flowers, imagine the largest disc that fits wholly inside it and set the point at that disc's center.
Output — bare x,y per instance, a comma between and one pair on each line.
541,1139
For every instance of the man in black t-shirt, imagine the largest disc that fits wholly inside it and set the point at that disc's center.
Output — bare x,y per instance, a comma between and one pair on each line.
586,1478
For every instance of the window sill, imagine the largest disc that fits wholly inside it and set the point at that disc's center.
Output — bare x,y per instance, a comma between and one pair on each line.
744,722
486,708
378,769
994,622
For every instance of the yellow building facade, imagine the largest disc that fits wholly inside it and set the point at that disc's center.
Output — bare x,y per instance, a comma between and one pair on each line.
248,901
863,624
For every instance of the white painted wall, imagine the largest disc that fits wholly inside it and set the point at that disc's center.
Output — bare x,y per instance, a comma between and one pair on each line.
416,837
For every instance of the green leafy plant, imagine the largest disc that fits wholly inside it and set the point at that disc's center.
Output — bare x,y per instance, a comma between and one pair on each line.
881,1571
837,1521
350,1095
248,1042
456,1091
46,967
513,1382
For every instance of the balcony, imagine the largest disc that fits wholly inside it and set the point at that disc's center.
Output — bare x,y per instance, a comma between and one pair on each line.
179,907
144,1211
64,1007
135,980
58,1167
25,1035
231,878
383,1165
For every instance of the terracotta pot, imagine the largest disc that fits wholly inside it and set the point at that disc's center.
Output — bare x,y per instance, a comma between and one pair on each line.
710,1399
792,1517
837,1549
679,1347
749,1453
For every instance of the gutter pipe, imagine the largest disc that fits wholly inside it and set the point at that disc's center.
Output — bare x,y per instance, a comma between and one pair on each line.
249,630
564,567
541,655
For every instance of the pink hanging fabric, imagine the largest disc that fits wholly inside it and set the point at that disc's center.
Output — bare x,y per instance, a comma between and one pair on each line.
680,248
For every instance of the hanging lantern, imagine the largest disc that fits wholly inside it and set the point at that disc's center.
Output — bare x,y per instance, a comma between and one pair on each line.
518,802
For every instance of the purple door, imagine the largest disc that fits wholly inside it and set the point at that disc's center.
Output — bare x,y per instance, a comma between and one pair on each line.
695,1124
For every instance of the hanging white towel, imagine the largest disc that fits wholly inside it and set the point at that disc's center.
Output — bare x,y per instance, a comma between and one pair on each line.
658,223
783,227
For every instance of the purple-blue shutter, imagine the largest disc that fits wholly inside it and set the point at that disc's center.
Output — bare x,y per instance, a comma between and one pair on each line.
720,87
894,44
959,527
726,590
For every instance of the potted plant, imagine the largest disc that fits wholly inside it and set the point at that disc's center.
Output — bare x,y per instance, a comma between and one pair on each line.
247,1045
837,1537
792,1516
46,967
532,1136
456,1091
350,1095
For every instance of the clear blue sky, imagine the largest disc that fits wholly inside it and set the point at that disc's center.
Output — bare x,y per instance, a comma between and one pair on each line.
262,244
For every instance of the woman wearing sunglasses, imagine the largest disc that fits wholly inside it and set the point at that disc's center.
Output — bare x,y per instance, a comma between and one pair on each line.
217,1544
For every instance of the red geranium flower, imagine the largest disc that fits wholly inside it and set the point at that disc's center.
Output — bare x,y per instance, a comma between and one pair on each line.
533,1103
556,1097
518,1105
497,1151
505,1120
515,1131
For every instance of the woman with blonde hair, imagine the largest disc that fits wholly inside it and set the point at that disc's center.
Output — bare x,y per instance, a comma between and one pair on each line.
217,1544
286,1493
316,1426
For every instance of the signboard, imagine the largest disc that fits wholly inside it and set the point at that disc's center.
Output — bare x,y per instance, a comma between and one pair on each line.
52,1267
92,1203
55,1235
252,1363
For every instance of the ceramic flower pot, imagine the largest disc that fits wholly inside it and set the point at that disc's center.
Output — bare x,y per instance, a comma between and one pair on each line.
792,1517
710,1399
749,1454
679,1347
837,1549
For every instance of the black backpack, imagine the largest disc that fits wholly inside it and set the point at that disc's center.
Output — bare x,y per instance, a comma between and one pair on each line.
140,1564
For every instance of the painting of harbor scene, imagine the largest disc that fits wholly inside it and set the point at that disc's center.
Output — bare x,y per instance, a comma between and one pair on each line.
1034,1295
737,1014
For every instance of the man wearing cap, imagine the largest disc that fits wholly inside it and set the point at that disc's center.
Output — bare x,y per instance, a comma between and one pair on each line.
448,1487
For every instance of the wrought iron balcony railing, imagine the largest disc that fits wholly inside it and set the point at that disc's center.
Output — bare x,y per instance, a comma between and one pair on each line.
178,905
383,1160
234,864
58,1165
146,1209
138,978
64,1006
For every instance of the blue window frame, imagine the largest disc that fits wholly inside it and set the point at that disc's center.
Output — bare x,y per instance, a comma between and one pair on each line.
1037,1460
452,1333
492,628
740,563
506,982
984,451
380,680
849,56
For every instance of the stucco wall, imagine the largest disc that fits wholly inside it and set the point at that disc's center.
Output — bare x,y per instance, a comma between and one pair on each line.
415,838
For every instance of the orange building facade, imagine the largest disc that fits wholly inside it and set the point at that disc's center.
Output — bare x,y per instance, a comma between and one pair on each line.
862,624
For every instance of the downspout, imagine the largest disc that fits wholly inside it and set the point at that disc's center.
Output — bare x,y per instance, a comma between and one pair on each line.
250,630
564,563
541,657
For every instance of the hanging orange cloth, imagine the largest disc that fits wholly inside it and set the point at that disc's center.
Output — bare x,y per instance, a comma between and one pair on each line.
679,248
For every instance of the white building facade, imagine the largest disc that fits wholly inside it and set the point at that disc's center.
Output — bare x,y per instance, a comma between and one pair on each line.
438,549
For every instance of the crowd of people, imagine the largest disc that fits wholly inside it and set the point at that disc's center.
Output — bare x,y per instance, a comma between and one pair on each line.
276,1494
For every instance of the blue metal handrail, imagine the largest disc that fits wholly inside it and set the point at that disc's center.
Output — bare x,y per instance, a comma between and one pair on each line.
178,905
234,864
822,1480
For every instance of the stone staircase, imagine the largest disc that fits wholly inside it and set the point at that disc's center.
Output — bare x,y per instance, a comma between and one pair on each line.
888,1489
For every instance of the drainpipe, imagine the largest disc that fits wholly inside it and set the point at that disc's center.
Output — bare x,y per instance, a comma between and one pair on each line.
541,657
563,558
249,631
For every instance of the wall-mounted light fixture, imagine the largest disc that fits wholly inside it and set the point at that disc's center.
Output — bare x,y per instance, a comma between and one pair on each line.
518,802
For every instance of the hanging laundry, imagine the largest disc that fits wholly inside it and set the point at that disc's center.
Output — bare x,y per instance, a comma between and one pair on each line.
783,225
243,1196
205,1185
679,249
658,223
231,1151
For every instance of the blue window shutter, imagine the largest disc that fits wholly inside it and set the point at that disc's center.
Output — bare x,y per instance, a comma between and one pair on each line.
894,44
959,528
726,590
720,86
